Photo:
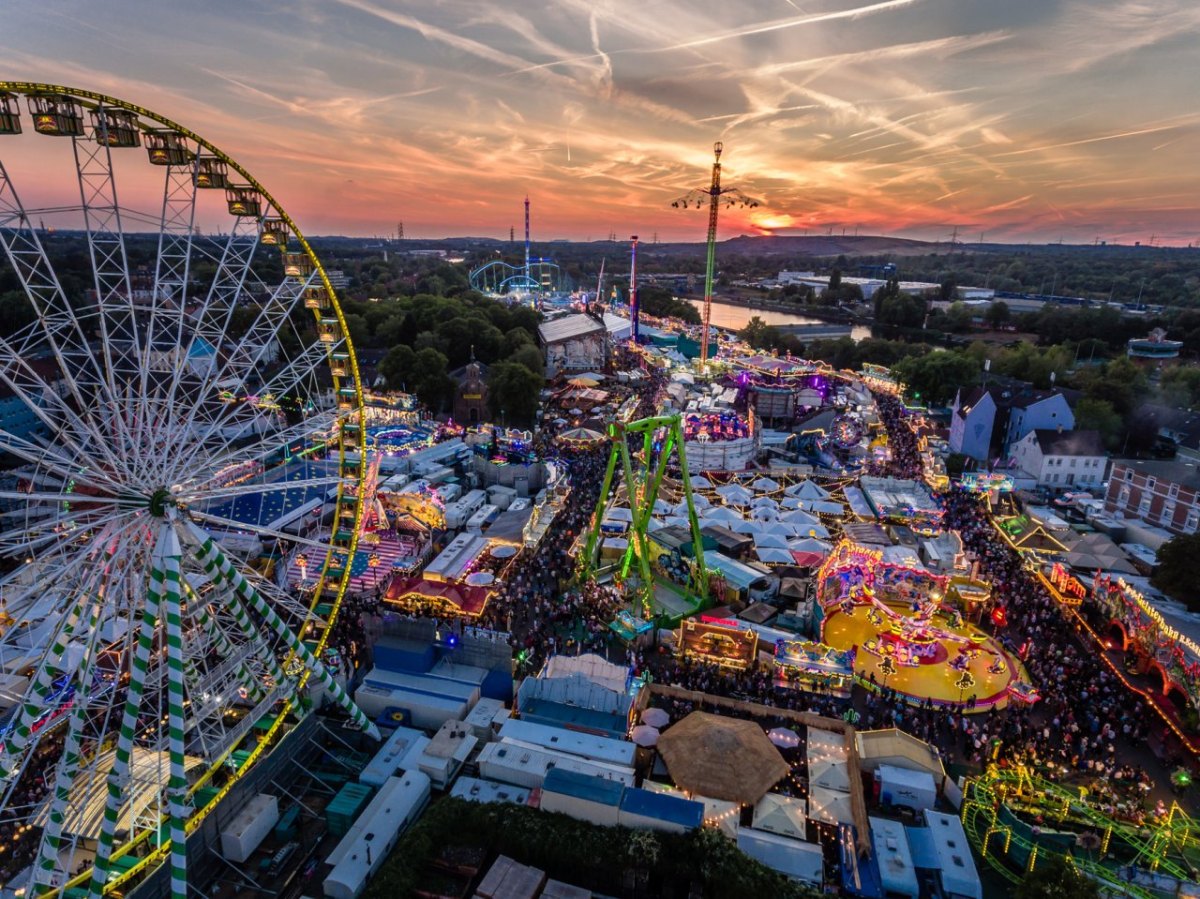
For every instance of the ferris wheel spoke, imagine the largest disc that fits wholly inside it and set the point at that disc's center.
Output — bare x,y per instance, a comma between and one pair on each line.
118,776
211,556
51,467
48,871
272,487
45,403
220,302
244,358
37,694
236,526
61,324
54,531
243,362
202,468
59,497
116,315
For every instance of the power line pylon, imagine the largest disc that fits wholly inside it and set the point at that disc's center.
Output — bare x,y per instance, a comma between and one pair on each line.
715,196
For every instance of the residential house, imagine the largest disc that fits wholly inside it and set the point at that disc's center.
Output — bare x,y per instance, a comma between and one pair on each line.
986,422
1045,409
1176,429
1062,460
972,419
1161,493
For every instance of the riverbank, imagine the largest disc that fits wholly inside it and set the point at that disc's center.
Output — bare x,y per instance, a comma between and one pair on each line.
822,313
734,317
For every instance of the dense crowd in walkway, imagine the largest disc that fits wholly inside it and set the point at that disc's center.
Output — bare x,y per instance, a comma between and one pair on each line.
1085,716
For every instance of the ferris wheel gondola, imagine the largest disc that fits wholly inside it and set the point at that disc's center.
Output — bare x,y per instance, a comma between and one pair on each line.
166,392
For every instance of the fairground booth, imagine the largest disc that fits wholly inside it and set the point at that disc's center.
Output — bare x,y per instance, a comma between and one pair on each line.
1163,639
900,501
807,665
726,642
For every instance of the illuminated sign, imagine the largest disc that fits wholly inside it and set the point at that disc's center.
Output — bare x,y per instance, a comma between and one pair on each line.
1068,586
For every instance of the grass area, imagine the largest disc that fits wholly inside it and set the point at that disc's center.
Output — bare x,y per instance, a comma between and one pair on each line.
579,853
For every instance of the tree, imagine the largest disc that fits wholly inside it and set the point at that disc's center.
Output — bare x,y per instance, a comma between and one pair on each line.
1099,415
958,317
1055,878
514,339
997,314
396,367
756,332
428,379
934,377
1176,571
530,357
948,289
901,309
513,392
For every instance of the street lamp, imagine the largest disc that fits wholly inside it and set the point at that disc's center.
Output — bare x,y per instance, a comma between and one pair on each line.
964,683
887,667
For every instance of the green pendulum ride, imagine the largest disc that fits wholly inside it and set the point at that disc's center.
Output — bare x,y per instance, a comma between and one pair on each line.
660,435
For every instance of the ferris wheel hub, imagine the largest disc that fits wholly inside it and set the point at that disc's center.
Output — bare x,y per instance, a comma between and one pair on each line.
160,499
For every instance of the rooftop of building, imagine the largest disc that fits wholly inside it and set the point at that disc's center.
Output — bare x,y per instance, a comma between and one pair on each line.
1174,471
570,326
1069,443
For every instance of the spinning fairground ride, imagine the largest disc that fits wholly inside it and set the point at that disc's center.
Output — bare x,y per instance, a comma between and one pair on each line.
153,378
909,637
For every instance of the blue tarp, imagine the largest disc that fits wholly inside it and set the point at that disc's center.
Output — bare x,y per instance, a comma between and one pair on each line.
583,786
662,807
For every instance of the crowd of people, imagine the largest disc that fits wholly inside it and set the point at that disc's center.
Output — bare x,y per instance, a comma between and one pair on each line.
1085,715
1075,732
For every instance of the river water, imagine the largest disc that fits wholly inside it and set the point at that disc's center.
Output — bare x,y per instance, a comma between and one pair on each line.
727,315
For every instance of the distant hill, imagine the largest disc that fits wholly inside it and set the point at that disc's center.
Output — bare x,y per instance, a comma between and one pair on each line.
866,245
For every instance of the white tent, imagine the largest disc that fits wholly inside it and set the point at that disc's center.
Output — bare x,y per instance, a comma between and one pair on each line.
807,490
800,518
771,556
765,513
764,485
830,806
722,514
825,507
735,494
827,765
771,527
809,545
784,815
769,541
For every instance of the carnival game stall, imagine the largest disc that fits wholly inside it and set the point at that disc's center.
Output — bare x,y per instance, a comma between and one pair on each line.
812,666
906,636
726,642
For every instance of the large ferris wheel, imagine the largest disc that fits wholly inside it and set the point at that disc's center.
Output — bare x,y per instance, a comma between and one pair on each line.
178,409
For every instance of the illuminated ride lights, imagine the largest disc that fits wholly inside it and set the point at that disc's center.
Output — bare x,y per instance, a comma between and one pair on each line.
163,396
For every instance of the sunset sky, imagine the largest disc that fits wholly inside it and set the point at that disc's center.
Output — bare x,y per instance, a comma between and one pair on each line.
1022,119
